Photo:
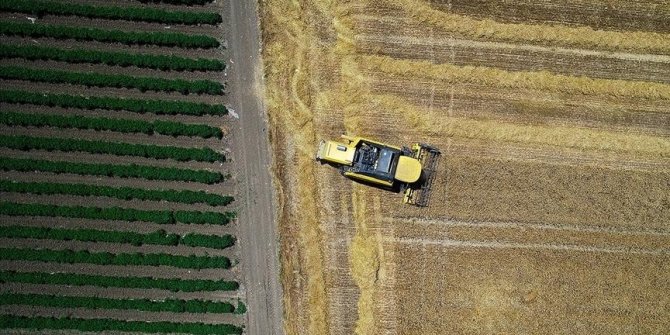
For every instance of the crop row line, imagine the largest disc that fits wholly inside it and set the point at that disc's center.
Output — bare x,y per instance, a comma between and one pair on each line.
140,106
111,170
124,59
105,258
141,14
61,32
167,305
25,143
111,80
95,325
168,128
123,193
74,279
116,213
159,237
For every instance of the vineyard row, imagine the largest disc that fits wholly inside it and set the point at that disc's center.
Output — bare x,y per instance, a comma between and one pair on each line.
168,128
105,258
60,32
123,193
112,80
159,237
73,279
96,325
111,170
141,14
116,213
25,143
167,305
124,59
141,106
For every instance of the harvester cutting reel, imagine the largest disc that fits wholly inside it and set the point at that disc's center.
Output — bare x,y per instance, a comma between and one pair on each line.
419,193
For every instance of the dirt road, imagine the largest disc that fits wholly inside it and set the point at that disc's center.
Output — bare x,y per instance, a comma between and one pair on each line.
257,230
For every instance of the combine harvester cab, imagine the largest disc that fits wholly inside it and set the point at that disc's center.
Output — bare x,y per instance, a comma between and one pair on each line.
411,171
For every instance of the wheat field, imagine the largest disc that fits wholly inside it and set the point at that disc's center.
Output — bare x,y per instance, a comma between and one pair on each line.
550,210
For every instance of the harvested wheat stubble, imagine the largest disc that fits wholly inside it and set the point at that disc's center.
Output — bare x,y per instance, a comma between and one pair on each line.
572,242
509,56
545,193
515,290
439,123
558,35
584,238
620,15
448,73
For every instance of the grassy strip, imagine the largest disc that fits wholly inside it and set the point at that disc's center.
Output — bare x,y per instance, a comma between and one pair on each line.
25,143
76,56
167,305
116,213
111,170
141,106
112,80
106,258
117,125
124,193
141,14
73,279
60,32
38,322
159,237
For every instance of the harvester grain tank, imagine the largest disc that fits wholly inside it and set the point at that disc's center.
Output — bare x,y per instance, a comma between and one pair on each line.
408,170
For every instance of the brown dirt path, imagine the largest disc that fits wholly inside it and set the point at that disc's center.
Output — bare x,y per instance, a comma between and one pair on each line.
258,238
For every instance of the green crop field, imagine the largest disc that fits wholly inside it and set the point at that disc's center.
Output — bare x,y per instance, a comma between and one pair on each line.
118,212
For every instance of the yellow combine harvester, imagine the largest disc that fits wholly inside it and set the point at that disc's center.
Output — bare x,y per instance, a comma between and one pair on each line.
402,169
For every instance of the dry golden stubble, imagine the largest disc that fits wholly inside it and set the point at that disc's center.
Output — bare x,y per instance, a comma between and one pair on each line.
290,115
438,123
507,290
555,35
364,260
493,77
